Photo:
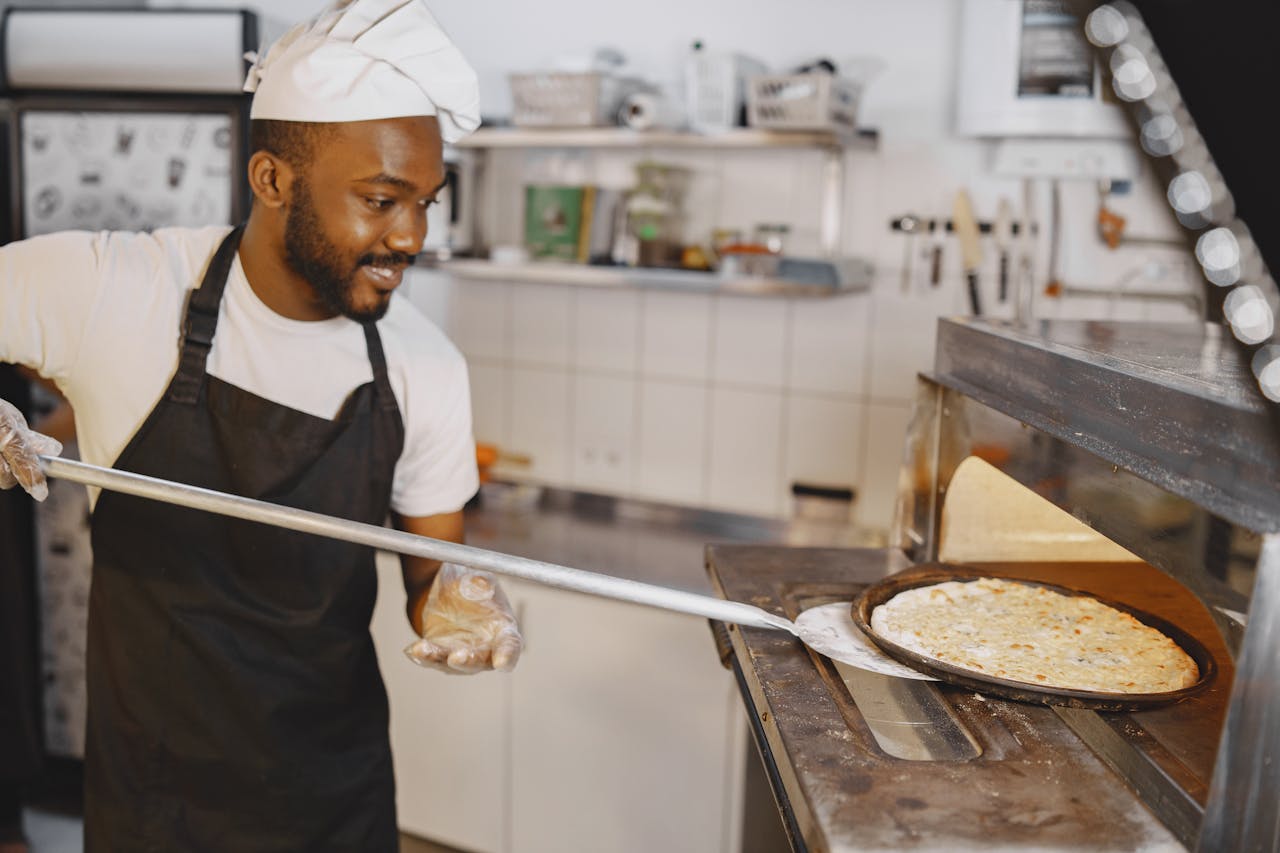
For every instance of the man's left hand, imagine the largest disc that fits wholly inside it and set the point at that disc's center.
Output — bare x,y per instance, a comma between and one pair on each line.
466,623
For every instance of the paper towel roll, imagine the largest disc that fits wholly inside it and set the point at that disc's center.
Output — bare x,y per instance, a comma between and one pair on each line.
646,110
133,50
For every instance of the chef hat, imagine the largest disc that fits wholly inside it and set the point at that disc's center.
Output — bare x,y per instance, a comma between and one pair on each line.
366,59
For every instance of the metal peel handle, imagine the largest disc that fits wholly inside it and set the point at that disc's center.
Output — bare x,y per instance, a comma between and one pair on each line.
397,541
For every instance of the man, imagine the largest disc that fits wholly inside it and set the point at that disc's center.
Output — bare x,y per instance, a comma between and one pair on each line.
234,699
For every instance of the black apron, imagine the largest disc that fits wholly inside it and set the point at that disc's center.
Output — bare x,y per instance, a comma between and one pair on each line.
235,702
21,737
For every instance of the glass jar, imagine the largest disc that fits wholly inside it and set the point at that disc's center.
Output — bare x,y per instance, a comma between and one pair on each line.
773,236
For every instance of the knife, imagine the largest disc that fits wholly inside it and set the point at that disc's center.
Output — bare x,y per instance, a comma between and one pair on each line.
937,239
970,245
1003,233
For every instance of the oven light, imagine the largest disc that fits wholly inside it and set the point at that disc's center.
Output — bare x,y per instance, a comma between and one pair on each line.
1219,254
1266,366
1250,316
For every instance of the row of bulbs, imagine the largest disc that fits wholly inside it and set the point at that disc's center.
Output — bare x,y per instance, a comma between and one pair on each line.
1226,251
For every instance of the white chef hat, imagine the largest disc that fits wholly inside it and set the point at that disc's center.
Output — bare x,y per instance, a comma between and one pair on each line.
366,59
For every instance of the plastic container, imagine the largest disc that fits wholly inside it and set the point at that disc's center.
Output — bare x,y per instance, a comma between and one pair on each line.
715,88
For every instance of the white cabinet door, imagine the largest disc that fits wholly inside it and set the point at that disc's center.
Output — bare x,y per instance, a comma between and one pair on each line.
449,736
627,734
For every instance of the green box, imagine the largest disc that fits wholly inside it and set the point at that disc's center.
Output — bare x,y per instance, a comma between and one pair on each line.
553,221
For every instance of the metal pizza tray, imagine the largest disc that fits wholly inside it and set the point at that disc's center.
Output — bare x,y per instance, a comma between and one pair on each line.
934,573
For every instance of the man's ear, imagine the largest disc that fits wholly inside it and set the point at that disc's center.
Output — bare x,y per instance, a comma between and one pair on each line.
270,178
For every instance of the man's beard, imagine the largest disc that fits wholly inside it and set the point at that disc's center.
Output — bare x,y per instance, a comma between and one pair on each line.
312,257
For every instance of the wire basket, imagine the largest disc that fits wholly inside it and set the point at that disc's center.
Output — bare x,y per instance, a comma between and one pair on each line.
569,98
803,102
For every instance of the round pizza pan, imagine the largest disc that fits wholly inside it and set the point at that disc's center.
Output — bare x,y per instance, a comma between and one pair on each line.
935,573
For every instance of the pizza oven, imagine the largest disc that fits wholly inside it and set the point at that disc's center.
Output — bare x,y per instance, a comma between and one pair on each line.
1133,461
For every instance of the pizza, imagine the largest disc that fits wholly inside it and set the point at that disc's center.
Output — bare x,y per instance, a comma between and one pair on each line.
1027,633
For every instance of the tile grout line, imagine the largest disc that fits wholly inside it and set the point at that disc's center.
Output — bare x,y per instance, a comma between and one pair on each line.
784,433
685,382
508,389
864,439
708,394
637,416
569,443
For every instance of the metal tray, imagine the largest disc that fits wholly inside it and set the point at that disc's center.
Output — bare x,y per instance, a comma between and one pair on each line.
934,573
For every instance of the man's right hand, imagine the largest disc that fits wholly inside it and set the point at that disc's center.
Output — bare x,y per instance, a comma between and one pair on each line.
19,448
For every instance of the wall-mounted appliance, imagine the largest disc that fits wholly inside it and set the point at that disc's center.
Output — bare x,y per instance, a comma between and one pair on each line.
1025,70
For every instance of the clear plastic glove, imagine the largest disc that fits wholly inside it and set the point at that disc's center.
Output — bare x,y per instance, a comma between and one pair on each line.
467,624
19,447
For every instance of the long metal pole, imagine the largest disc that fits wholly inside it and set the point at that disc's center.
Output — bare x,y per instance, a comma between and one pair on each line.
400,542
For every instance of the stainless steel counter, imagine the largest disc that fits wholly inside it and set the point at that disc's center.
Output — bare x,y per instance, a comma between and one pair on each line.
638,540
853,758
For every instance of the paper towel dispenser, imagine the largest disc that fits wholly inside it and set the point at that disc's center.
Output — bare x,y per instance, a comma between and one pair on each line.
126,50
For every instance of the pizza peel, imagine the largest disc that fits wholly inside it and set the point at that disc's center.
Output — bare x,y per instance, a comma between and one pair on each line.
400,542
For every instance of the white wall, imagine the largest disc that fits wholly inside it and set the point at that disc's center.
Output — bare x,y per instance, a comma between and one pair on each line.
722,402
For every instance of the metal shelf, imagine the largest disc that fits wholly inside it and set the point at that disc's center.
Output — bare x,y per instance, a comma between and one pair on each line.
621,137
800,277
848,275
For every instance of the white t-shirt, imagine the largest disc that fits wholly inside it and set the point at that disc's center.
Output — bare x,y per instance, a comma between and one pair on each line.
101,314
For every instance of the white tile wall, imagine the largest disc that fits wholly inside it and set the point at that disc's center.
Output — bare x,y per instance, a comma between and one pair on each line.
750,341
540,421
604,421
480,319
902,343
540,322
746,435
824,441
886,440
428,291
675,335
829,352
804,205
606,329
489,402
672,463
757,188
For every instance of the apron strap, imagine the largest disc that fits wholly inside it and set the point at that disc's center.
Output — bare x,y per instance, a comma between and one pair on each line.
201,321
378,361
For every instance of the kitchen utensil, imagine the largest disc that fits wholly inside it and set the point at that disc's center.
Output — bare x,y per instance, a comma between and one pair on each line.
909,225
830,630
401,542
935,573
1054,286
1002,231
937,240
1024,285
970,246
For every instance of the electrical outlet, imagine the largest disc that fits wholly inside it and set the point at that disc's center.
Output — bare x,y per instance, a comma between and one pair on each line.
602,461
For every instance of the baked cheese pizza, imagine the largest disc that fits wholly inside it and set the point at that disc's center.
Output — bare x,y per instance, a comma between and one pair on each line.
1023,632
